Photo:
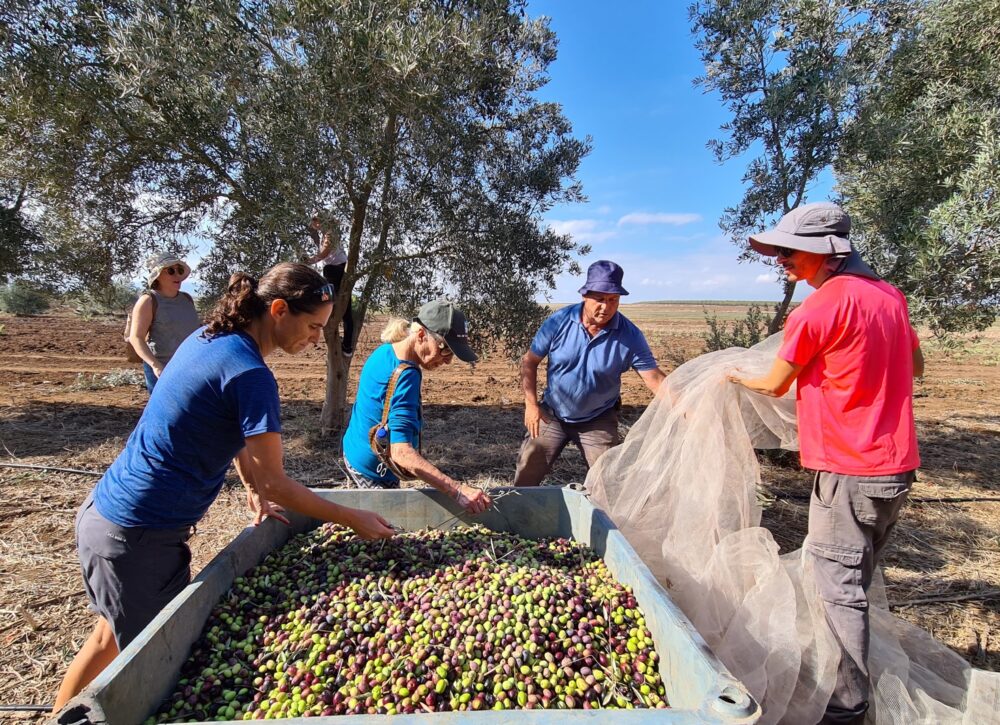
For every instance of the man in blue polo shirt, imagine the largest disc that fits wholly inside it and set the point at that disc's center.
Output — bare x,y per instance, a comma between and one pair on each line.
589,346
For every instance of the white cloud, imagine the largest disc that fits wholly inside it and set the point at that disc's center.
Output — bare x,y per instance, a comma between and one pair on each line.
676,220
715,281
603,209
766,278
582,230
572,226
650,282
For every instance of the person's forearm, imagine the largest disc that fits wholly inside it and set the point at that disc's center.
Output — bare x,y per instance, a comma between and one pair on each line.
529,382
141,348
288,493
775,383
764,386
653,379
407,457
242,465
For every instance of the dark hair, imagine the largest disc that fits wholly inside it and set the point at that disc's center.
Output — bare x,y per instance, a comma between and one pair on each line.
246,299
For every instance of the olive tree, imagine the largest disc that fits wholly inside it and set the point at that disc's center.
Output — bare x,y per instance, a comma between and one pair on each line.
785,70
920,166
412,126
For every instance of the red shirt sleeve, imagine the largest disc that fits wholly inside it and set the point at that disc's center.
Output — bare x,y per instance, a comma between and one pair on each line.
804,336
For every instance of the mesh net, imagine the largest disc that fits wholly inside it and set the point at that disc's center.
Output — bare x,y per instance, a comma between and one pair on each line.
682,488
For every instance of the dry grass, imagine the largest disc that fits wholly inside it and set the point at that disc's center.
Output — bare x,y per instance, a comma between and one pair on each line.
473,431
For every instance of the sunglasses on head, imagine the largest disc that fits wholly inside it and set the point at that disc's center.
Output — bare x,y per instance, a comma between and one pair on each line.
178,270
785,251
325,293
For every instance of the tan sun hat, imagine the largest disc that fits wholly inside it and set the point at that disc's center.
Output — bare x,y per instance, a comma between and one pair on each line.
159,262
822,228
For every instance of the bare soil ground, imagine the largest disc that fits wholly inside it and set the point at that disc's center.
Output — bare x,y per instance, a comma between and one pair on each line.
53,413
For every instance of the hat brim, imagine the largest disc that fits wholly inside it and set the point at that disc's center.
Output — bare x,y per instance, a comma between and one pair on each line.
461,349
766,243
154,274
604,288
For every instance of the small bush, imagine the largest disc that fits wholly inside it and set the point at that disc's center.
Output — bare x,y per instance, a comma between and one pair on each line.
21,298
205,304
116,299
741,333
112,379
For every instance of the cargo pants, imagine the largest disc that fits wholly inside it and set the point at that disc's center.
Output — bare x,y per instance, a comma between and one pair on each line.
850,519
593,437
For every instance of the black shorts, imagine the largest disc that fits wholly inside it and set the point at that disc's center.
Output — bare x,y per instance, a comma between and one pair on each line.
130,573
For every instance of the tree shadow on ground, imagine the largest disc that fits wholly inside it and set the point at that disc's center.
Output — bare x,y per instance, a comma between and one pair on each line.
468,442
961,449
965,625
932,548
64,429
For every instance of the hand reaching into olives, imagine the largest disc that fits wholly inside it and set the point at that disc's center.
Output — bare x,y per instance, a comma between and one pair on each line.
473,500
369,525
264,509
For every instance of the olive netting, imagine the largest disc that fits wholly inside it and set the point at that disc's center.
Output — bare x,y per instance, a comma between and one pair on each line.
682,488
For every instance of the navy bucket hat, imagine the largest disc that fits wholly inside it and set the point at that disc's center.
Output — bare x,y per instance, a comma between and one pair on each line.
605,277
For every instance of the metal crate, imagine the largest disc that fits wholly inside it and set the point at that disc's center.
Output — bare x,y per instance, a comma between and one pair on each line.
698,686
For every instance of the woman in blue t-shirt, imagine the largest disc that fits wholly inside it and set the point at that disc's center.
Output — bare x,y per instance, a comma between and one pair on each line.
436,336
216,403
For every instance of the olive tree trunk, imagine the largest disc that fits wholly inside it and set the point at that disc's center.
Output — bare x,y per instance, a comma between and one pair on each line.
338,368
781,310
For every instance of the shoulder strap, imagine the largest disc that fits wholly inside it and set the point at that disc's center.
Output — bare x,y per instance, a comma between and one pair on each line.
391,389
128,315
156,303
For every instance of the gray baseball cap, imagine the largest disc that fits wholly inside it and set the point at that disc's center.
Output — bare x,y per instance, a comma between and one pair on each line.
444,319
822,228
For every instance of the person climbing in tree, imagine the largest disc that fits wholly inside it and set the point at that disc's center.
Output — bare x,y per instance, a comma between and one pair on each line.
332,259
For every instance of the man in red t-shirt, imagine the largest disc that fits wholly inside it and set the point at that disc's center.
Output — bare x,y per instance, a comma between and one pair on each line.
854,354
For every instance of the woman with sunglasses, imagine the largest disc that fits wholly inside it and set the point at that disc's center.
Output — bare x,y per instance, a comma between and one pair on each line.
162,316
216,403
434,338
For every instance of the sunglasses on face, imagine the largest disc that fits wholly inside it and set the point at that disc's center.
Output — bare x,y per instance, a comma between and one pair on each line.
785,251
443,348
178,270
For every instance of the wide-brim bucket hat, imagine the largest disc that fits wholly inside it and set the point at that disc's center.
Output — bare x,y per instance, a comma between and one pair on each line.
605,277
443,318
821,228
159,262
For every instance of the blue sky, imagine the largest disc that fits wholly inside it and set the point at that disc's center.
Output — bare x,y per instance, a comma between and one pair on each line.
655,192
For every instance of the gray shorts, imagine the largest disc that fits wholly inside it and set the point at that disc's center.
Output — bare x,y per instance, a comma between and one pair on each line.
131,573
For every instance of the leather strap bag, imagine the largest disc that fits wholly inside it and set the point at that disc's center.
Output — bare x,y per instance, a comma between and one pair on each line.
378,435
